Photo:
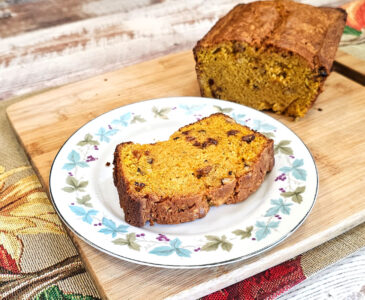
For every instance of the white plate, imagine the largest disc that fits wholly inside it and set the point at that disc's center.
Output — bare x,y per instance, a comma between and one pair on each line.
84,195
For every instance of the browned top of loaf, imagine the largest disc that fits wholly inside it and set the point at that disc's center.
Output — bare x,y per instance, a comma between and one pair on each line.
312,32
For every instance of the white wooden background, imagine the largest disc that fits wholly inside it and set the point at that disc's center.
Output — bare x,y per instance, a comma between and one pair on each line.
343,280
46,43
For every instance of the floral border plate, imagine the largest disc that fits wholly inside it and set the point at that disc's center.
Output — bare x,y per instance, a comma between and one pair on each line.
84,196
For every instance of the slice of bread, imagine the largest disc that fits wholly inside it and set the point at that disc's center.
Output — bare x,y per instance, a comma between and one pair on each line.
211,162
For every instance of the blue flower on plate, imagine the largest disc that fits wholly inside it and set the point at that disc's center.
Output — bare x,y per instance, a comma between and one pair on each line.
123,120
86,215
295,169
105,134
260,126
168,250
189,110
278,206
264,229
74,159
239,118
111,228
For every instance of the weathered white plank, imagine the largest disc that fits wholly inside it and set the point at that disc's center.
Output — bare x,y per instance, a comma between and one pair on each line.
123,33
343,280
69,52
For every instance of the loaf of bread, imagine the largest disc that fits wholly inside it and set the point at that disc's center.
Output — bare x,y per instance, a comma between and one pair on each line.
270,55
211,162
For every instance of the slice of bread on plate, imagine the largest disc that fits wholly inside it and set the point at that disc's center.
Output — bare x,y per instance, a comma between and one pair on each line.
211,162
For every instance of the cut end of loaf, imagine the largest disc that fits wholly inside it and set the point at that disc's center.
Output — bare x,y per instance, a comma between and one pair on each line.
262,78
211,162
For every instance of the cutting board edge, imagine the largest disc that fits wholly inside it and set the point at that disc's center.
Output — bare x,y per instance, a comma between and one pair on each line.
76,241
244,272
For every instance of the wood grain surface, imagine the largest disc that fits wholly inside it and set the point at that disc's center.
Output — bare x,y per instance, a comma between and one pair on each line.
44,121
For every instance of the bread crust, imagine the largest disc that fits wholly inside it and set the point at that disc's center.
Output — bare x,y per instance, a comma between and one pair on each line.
280,24
174,210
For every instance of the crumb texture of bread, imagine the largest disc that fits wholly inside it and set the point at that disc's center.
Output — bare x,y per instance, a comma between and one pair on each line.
211,162
270,55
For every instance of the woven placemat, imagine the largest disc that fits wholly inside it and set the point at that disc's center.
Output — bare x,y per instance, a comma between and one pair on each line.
37,258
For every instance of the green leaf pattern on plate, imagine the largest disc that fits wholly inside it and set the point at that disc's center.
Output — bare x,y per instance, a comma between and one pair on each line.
138,119
283,148
161,113
88,140
130,241
244,234
215,242
74,185
223,110
296,195
84,200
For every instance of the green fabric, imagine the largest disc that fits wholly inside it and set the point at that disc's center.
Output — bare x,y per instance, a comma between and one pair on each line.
54,293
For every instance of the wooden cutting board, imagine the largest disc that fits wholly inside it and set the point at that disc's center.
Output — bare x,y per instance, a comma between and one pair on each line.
334,131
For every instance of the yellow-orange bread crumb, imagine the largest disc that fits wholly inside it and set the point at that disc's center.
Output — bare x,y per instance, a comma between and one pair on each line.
211,162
